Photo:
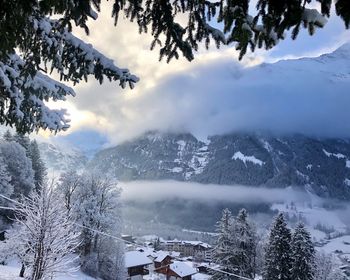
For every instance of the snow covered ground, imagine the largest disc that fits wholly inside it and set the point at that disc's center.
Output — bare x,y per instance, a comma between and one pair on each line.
330,229
317,218
321,222
338,245
12,269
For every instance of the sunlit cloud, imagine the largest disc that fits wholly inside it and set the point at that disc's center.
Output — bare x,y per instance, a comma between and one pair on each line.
180,96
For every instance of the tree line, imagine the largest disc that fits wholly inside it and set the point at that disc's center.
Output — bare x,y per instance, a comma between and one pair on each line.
49,224
284,255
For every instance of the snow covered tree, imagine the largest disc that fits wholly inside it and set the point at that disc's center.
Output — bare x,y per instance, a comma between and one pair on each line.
303,254
223,250
8,136
97,211
32,152
68,184
34,44
6,187
156,244
23,140
37,39
244,238
111,259
37,165
46,237
327,268
324,266
278,252
337,274
19,166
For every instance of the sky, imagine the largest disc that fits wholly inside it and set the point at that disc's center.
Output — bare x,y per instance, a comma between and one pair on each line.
213,94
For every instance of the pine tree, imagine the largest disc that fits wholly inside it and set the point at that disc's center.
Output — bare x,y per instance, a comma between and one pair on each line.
278,252
6,187
19,166
303,254
37,165
23,140
36,40
244,245
223,250
8,136
156,244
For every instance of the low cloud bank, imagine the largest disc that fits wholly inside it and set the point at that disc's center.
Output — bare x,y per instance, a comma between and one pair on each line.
152,191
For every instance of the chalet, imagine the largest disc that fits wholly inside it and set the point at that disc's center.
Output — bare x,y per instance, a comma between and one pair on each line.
136,263
162,261
180,271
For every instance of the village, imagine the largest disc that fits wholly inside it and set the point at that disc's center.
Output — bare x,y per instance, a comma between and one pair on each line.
159,259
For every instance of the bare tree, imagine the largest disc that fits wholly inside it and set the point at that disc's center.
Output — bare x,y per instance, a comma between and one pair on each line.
46,238
68,184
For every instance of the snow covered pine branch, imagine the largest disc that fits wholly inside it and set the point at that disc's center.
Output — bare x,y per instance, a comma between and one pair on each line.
43,238
25,86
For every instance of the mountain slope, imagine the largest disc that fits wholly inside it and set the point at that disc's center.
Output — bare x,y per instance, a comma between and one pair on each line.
321,166
59,157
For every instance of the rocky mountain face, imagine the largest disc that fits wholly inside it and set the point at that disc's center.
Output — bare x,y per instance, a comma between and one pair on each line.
318,165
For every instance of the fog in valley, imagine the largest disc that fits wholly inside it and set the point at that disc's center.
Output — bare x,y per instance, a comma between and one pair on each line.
167,207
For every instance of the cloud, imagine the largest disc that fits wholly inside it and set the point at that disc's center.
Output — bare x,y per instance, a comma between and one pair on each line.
306,96
214,94
152,191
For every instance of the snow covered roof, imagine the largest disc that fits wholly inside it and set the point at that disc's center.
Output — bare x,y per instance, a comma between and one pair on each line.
161,255
198,243
148,252
135,258
182,269
175,254
186,242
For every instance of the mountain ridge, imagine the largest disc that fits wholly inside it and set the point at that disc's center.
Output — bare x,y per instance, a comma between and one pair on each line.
318,165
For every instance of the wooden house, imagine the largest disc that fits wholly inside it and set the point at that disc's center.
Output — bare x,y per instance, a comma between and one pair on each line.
162,261
136,263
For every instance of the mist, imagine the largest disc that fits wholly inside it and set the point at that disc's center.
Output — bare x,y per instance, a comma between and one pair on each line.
159,204
153,191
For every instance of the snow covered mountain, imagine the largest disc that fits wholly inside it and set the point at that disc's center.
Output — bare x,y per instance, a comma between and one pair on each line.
319,165
59,157
86,141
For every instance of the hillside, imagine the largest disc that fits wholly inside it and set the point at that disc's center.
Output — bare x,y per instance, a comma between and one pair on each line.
319,165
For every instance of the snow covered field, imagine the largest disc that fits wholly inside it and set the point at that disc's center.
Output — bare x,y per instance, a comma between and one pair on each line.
321,222
11,272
